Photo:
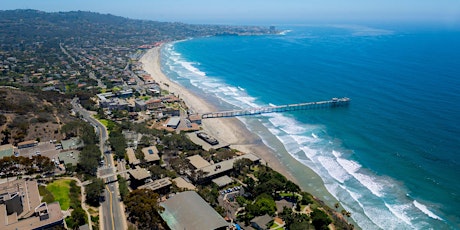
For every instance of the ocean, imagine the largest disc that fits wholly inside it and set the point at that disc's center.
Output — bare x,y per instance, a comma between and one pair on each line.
392,157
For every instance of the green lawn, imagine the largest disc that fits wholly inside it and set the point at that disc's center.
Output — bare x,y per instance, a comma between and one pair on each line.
107,123
61,190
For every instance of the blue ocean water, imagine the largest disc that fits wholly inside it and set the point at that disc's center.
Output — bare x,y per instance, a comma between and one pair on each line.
392,158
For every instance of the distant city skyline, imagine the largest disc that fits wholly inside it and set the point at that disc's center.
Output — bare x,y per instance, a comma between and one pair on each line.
260,11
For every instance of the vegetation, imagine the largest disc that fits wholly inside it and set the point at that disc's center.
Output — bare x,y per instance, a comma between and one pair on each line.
143,209
61,192
123,187
118,142
93,192
89,159
12,165
46,194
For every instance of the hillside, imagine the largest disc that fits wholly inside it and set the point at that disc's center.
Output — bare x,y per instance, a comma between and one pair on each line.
28,116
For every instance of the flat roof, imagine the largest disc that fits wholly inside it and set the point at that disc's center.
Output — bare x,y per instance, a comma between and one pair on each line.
173,122
157,184
222,181
206,146
132,159
28,142
227,165
198,162
31,204
151,153
187,210
182,183
6,150
71,156
139,173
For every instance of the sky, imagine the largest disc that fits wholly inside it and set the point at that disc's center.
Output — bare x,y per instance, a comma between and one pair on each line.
260,11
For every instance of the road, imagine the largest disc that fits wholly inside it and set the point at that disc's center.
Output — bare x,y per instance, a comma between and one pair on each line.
112,215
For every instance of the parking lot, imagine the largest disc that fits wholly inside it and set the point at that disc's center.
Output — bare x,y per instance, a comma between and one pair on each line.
46,149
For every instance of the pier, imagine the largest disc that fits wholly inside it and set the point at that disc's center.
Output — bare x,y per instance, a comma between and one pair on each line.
334,102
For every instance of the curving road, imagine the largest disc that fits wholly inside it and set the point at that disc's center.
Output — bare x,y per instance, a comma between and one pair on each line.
112,215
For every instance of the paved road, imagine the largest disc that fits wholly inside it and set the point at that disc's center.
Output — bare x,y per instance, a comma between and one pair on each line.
112,215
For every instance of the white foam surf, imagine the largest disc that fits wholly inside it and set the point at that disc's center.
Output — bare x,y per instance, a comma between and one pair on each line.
425,210
357,188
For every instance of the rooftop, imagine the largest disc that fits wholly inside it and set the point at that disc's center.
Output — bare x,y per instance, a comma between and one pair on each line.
157,184
139,173
198,162
187,210
173,122
132,159
227,165
222,181
182,183
151,153
28,212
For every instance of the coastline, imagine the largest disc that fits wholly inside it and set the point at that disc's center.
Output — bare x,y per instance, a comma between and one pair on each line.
231,130
239,136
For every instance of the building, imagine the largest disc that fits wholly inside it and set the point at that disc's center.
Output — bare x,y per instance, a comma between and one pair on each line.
173,122
195,118
151,154
160,186
138,176
261,222
222,181
198,162
187,210
132,159
27,144
223,168
183,184
6,150
20,207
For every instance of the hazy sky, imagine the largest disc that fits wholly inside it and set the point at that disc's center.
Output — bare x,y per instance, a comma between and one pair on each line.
260,11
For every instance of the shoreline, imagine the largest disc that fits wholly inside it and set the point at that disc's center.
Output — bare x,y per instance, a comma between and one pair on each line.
231,130
237,134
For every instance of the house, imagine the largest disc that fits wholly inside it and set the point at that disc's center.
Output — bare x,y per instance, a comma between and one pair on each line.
132,159
222,168
173,122
151,154
195,118
187,210
261,222
20,207
138,176
154,104
198,162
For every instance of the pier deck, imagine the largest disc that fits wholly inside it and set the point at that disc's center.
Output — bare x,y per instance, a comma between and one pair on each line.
334,102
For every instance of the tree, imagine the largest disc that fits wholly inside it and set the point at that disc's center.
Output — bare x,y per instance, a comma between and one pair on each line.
93,192
320,219
79,217
143,208
89,159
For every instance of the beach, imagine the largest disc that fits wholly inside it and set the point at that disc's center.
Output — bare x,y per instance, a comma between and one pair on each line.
231,130
234,132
